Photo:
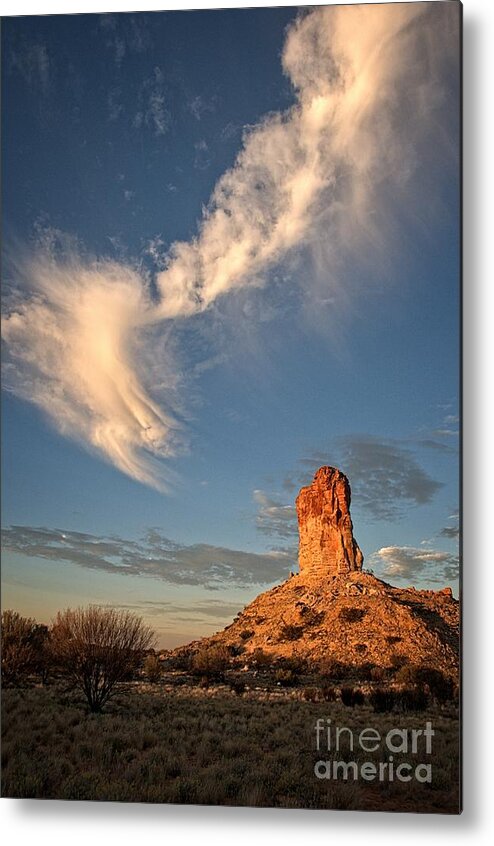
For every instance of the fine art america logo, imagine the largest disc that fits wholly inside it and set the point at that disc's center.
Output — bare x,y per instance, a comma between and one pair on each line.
345,749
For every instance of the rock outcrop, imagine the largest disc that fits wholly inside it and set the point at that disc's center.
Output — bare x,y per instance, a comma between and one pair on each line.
327,546
334,611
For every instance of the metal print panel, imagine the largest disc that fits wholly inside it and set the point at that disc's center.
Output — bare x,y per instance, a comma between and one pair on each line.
231,280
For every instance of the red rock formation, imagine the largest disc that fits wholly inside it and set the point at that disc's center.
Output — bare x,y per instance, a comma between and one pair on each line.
327,545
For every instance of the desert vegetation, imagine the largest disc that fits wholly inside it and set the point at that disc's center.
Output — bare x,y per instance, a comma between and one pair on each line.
97,713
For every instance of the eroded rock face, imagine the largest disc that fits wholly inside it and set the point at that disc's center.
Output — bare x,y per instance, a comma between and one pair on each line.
327,545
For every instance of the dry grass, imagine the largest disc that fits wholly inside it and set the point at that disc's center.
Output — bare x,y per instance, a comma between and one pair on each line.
206,747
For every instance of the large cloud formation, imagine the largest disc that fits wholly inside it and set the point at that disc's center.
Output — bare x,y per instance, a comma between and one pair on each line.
328,174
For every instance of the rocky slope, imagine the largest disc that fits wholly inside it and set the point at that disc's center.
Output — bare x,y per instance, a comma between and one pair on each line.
334,611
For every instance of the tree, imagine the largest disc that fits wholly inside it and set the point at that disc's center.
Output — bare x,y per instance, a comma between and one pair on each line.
98,648
23,647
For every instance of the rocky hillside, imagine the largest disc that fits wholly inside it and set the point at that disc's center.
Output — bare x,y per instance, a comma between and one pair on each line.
334,611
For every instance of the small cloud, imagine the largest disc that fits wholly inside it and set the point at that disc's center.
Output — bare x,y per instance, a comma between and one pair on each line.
407,563
202,158
445,433
451,532
199,106
275,518
115,107
33,63
231,130
153,112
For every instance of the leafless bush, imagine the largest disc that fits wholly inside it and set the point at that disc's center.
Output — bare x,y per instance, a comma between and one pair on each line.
98,648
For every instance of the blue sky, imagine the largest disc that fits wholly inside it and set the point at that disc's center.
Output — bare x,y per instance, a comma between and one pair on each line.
176,366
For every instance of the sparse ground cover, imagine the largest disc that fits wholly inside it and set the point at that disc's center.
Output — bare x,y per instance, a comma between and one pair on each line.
181,741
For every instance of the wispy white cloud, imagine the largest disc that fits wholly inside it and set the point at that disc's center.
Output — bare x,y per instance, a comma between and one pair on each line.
199,106
326,175
153,112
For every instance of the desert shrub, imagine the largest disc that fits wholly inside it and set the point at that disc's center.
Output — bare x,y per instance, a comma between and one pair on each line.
364,671
237,686
377,674
328,693
260,659
180,660
352,615
295,663
382,700
397,661
152,669
290,632
211,661
98,648
235,650
25,648
434,681
412,699
330,669
246,634
352,696
286,678
310,694
311,617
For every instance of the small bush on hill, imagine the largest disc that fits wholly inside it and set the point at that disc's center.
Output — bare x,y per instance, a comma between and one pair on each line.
211,662
290,632
352,615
